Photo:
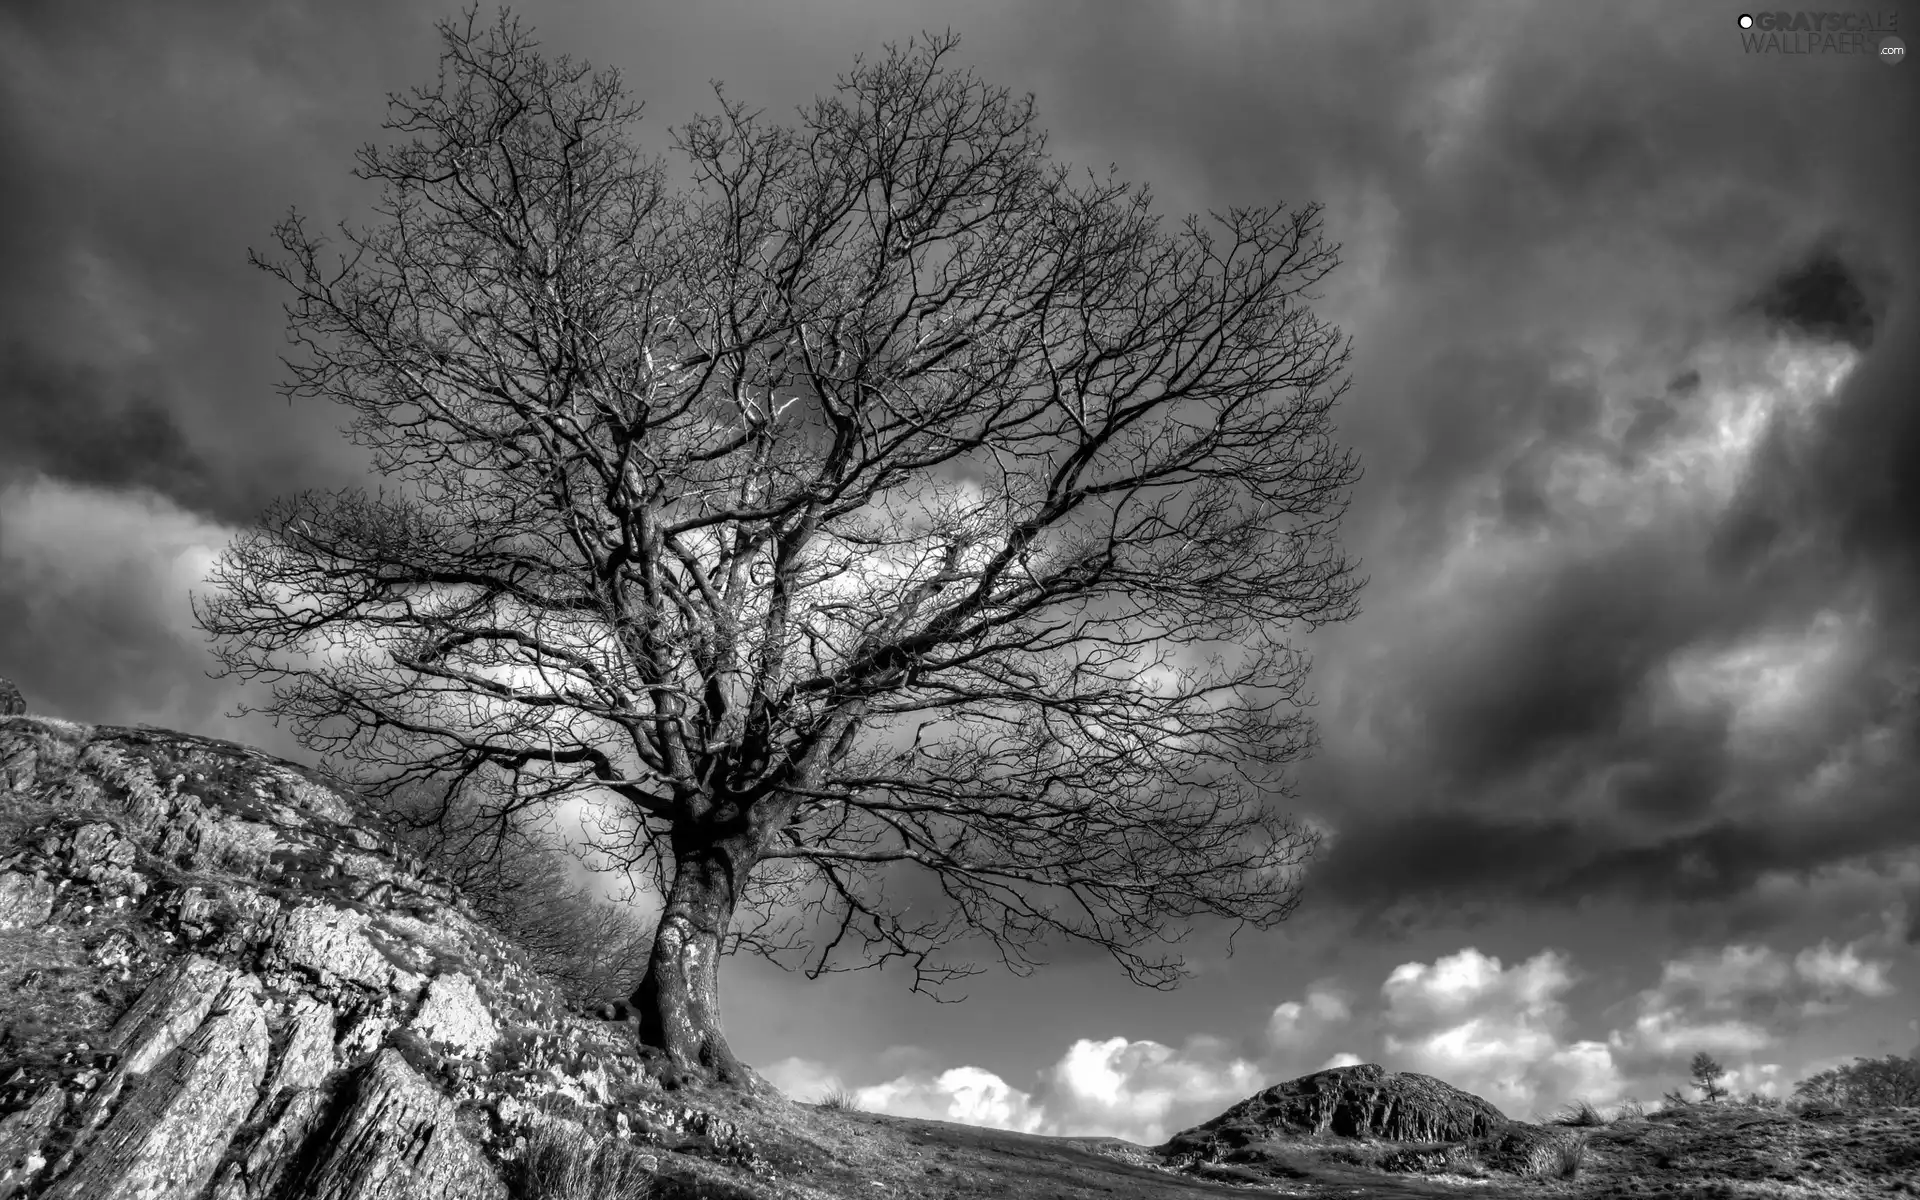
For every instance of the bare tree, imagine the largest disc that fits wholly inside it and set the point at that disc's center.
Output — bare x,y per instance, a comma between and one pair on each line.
880,506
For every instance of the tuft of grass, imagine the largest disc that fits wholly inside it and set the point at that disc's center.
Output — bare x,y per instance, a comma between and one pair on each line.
1569,1157
1631,1110
840,1099
1580,1113
564,1162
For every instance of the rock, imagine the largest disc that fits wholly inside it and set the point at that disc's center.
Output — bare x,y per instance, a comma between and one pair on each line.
331,944
454,1017
165,1141
1362,1101
25,902
12,703
365,1035
1527,1149
104,857
307,1057
399,1142
292,1104
21,1136
168,1012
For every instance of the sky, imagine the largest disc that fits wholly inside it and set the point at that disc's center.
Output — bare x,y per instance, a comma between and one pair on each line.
1621,761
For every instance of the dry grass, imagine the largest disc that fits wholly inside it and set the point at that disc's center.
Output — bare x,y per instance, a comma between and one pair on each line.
1570,1157
564,1162
840,1100
1580,1113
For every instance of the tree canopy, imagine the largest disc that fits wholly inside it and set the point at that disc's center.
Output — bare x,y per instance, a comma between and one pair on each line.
885,498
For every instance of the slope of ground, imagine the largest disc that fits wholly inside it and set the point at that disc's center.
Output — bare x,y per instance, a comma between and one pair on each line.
219,981
1715,1152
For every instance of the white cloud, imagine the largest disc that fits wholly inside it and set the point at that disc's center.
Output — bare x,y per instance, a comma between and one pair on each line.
1298,1022
1842,968
1327,1006
63,540
108,572
1142,1090
1671,1031
803,1079
1768,1079
1607,488
1494,1031
1300,1030
969,1095
1500,1032
1139,1090
1740,998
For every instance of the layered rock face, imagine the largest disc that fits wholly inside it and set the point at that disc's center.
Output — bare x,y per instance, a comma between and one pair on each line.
219,981
1360,1102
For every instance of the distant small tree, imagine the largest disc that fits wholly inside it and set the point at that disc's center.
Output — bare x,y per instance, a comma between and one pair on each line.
1706,1075
887,504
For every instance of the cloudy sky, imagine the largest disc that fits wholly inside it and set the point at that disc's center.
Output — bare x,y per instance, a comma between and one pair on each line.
1621,761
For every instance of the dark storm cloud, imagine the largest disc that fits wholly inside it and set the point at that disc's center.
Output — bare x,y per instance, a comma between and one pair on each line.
1511,184
62,420
1572,659
1823,298
1621,171
1401,864
148,150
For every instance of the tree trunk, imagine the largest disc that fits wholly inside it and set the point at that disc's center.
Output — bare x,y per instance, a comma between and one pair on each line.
678,1000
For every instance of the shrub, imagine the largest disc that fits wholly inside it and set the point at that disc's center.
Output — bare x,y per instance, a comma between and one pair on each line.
840,1099
1888,1082
1631,1110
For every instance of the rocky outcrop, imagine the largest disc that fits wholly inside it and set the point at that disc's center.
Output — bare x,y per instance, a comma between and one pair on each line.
400,1139
220,980
1366,1101
167,1134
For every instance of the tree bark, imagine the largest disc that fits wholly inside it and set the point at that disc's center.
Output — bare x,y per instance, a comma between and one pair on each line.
678,1000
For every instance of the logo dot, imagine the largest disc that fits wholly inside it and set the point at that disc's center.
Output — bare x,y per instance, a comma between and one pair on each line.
1746,20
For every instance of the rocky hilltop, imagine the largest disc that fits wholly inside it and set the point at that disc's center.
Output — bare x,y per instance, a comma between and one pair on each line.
1433,1124
220,980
